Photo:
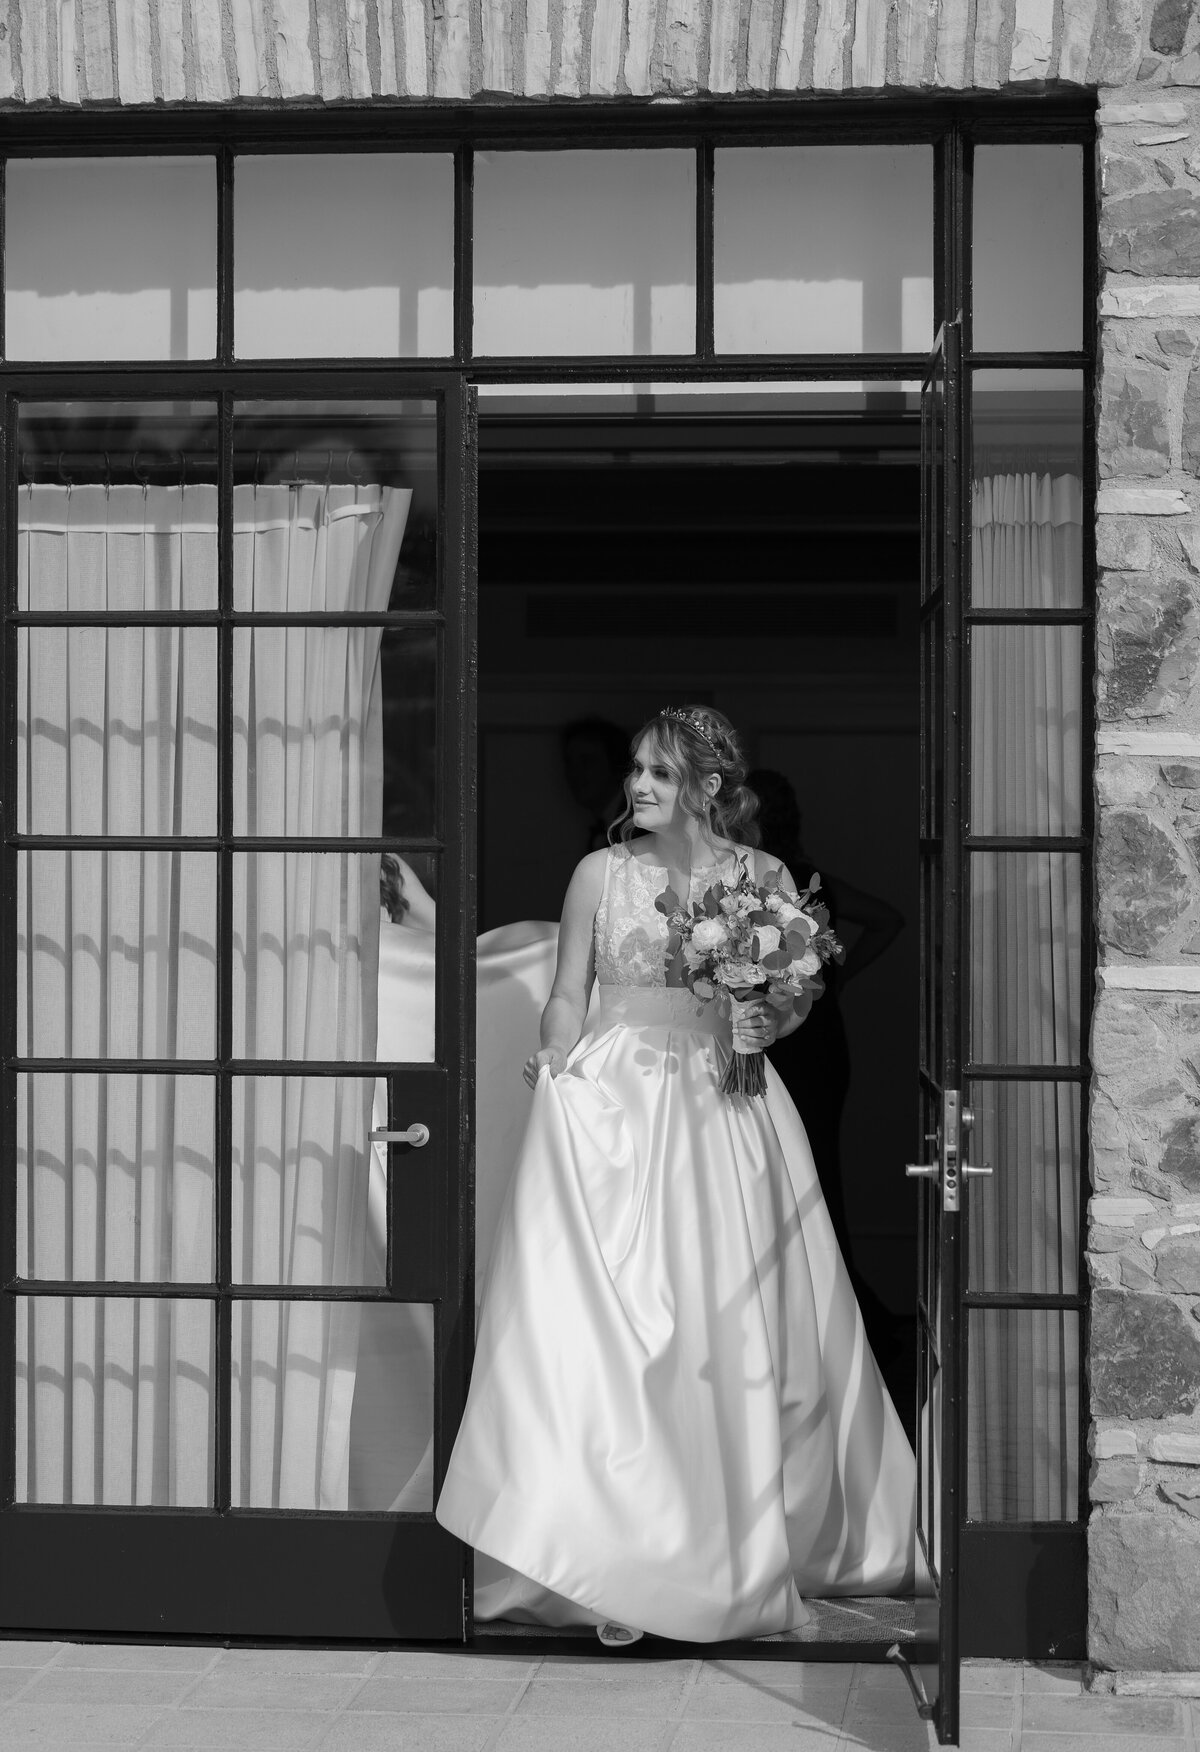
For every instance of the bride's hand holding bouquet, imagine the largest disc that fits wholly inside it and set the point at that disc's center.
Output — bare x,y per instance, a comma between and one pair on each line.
760,943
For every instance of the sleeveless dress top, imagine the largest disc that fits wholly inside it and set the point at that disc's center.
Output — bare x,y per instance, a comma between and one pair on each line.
674,1419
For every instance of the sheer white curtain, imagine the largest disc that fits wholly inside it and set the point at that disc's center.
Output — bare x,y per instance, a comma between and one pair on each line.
1025,978
117,956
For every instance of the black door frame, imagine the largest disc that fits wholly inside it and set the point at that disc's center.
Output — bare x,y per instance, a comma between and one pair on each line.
952,126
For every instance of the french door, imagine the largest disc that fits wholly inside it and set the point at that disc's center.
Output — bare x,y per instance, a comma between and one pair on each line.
238,964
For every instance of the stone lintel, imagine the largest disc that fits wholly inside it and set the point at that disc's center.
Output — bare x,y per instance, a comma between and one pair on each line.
1145,501
1150,978
1158,298
1116,115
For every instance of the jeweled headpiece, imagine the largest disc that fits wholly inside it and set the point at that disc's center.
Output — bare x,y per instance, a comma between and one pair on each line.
694,722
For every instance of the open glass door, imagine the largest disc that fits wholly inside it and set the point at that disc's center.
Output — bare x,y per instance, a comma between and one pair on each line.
238,948
943,1123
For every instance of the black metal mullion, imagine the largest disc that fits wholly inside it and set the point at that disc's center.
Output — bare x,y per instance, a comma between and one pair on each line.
167,617
997,1073
8,956
705,250
83,842
1028,617
1025,842
464,254
1018,1299
223,1190
246,1067
225,270
110,1289
1072,359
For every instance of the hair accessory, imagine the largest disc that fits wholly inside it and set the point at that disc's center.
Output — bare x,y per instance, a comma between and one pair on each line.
694,722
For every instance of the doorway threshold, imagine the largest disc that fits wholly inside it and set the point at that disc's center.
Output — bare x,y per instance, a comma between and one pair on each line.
851,1629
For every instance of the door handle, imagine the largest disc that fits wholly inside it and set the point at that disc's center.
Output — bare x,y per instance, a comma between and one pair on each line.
923,1170
979,1169
416,1135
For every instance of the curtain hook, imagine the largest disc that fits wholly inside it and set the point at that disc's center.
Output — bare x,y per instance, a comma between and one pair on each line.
142,475
64,477
329,471
107,475
257,460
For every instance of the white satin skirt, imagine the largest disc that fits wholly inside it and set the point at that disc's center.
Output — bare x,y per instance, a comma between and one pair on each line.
674,1420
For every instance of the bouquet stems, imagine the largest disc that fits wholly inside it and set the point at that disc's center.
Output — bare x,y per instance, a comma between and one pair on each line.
745,1073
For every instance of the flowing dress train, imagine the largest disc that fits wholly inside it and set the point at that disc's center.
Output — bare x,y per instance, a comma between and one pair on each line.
675,1420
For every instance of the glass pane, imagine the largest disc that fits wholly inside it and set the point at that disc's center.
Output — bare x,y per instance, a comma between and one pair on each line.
1027,248
115,1177
334,730
1024,1218
306,955
1027,489
335,507
118,506
344,256
309,1190
114,1401
585,252
111,258
1025,957
1023,1379
116,954
117,730
333,1406
1026,725
824,249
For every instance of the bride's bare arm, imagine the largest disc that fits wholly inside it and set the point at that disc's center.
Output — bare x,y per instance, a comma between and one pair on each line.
566,1008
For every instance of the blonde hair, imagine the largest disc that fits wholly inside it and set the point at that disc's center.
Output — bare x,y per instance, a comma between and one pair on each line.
693,743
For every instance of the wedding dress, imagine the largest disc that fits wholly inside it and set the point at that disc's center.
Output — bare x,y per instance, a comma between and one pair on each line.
674,1419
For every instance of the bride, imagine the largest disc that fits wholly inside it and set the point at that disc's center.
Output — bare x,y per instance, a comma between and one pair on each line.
675,1423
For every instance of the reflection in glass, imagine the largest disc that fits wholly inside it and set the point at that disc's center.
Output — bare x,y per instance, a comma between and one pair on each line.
1026,711
117,507
344,256
1027,248
585,252
1025,957
1027,491
333,725
824,249
110,258
1024,1219
116,954
333,1406
335,507
309,1189
117,730
1023,1382
115,1177
114,1401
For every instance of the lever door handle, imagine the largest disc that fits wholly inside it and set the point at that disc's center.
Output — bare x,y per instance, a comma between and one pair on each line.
979,1170
416,1135
922,1170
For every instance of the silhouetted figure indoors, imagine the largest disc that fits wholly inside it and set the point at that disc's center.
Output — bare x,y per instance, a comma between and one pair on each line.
814,1062
595,754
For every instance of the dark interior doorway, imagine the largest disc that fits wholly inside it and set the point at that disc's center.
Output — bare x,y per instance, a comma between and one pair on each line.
767,563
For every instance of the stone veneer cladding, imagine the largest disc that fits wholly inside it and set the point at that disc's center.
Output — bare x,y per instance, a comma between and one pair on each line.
1144,1231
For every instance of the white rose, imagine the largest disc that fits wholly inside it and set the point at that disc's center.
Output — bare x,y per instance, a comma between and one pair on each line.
740,973
790,916
809,963
710,934
773,903
768,939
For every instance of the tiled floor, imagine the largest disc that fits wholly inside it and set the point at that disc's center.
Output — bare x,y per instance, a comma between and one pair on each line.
70,1697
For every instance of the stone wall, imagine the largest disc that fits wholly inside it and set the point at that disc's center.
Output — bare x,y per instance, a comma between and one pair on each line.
1144,1236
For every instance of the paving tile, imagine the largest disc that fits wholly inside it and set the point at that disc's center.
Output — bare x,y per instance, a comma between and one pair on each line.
14,1679
691,1736
233,1730
76,1688
451,1665
252,1688
883,1733
1052,1678
992,1676
1160,1717
984,1740
391,1733
979,1710
90,1725
561,1668
434,1697
147,1657
346,1661
27,1654
574,1733
634,1694
781,1704
1084,1742
823,1677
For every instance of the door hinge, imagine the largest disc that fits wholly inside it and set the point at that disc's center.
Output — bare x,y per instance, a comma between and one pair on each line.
915,1683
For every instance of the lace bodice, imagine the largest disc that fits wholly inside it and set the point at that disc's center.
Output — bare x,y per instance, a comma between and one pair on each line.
631,937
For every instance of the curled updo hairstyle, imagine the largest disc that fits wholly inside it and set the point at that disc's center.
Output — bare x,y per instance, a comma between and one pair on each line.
693,752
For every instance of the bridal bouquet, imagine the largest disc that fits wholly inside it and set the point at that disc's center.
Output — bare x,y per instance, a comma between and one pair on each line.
748,936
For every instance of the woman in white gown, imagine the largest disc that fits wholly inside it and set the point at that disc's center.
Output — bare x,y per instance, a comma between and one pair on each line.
675,1423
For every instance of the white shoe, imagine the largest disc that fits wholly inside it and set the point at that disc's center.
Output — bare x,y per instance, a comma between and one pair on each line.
617,1636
